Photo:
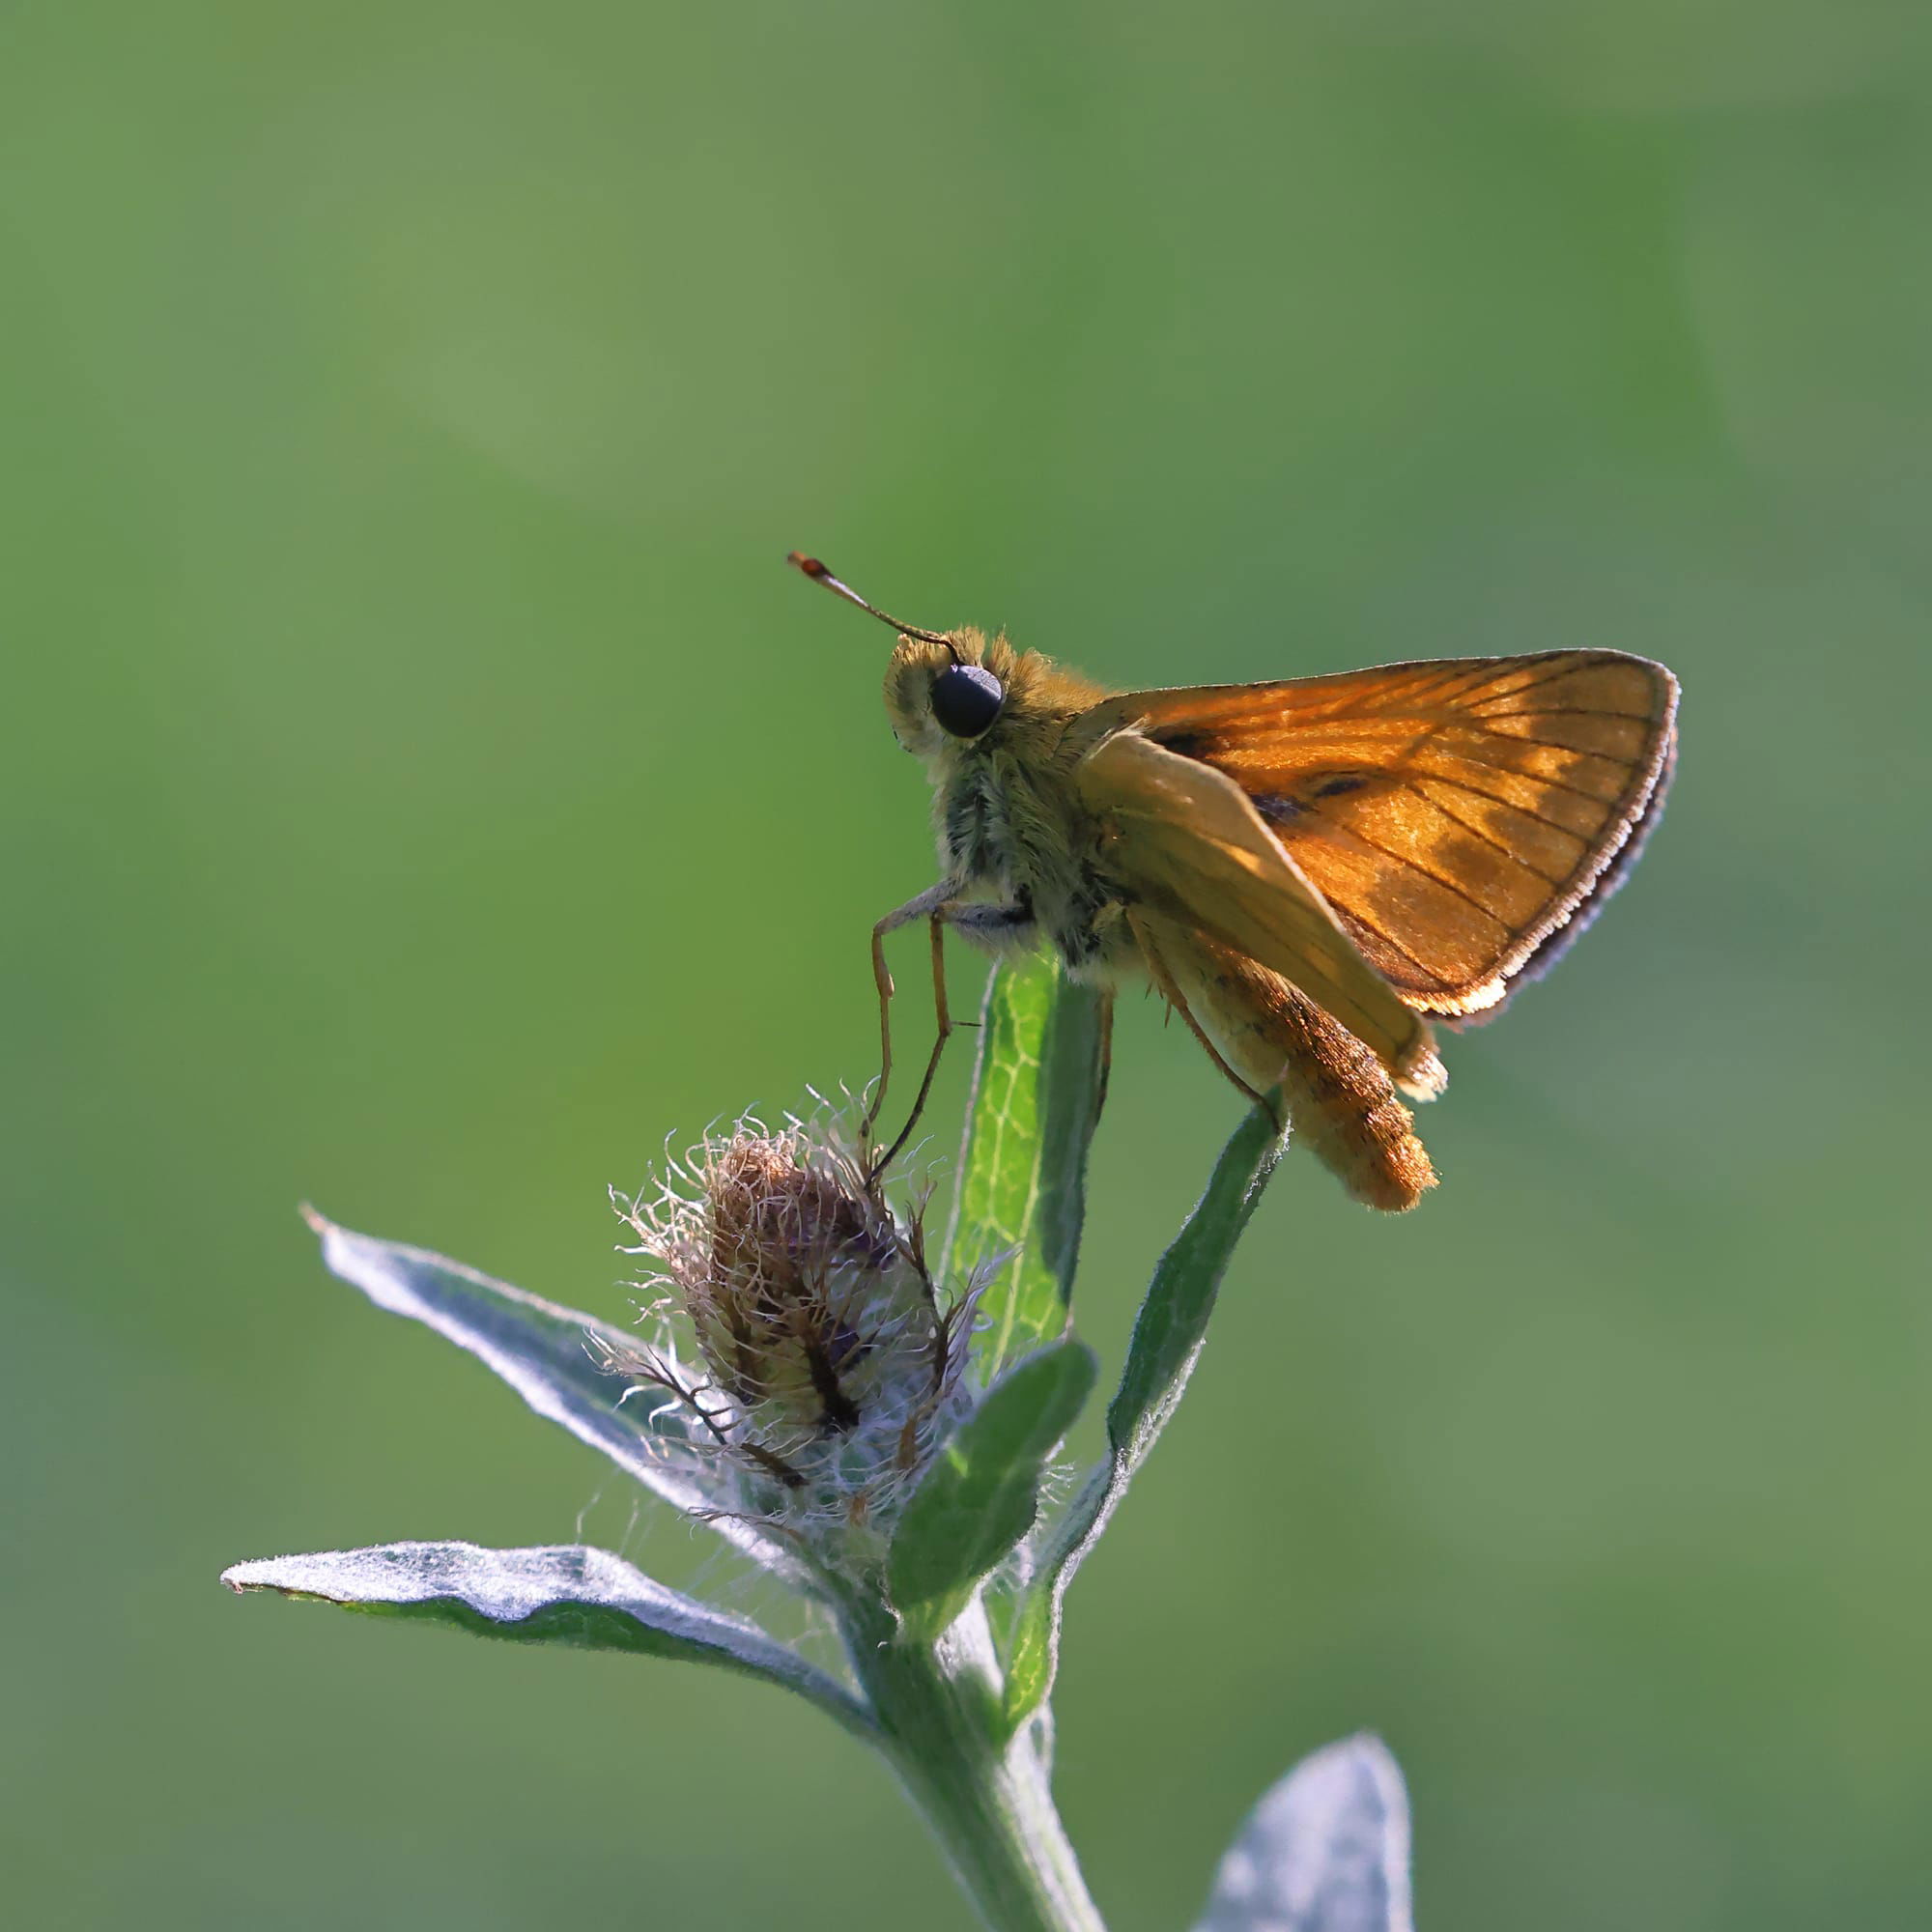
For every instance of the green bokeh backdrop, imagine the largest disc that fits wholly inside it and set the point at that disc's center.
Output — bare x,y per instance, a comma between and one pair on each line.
424,791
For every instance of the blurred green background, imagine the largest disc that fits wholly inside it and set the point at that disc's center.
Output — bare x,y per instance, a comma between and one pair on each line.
425,791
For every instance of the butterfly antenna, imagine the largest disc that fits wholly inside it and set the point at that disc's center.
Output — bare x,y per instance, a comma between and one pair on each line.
818,573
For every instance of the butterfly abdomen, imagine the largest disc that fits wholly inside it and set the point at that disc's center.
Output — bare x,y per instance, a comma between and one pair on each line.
1271,1037
1342,1102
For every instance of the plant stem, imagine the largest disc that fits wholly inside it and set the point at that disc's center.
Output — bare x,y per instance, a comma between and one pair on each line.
987,1799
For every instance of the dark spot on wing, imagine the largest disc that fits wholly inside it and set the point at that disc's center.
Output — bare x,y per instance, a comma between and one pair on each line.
1278,809
1202,745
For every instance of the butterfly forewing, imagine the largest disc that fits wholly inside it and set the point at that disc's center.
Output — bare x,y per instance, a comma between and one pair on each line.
1187,844
1455,813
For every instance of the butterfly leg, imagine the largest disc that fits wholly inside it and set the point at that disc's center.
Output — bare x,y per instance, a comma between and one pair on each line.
925,906
1334,1090
1103,1073
943,1024
1165,985
995,926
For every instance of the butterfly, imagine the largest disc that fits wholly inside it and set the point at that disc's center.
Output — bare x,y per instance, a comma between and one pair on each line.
1309,872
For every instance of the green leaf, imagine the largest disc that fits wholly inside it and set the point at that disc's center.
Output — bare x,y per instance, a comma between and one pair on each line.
1167,1341
544,1353
1326,1850
563,1594
981,1493
1022,1187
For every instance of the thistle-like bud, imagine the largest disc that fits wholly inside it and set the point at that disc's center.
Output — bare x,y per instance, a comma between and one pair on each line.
827,1367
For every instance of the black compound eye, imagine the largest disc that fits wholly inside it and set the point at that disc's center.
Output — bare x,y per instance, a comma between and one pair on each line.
966,699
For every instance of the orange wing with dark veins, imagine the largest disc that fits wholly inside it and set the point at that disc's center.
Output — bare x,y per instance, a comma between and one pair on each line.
1465,817
1184,842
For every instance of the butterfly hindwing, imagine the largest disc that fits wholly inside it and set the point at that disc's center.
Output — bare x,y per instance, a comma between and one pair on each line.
1464,816
1181,840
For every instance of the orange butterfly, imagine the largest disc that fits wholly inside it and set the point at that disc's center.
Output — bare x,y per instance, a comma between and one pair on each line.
1306,870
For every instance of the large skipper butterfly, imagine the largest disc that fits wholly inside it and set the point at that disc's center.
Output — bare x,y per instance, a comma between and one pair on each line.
1308,872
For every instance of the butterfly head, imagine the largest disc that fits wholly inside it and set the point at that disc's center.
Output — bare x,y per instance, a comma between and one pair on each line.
945,694
943,687
965,700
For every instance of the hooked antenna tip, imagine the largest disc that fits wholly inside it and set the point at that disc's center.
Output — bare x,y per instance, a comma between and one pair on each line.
818,573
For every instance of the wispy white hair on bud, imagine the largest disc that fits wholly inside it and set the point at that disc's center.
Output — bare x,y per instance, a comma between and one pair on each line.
824,1365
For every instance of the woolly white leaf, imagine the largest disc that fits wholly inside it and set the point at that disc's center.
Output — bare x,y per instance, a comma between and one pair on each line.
1326,1850
544,1353
557,1594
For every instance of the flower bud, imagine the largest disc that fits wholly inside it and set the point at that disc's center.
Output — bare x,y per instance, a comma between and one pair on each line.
827,1368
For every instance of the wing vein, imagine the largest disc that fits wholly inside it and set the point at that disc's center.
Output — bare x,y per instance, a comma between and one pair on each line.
1604,804
1564,711
1495,845
1415,866
1395,945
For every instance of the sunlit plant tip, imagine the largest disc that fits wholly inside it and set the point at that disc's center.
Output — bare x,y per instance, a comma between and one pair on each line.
793,1320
